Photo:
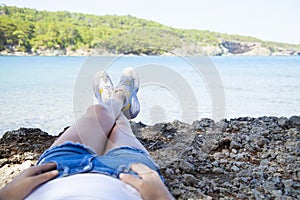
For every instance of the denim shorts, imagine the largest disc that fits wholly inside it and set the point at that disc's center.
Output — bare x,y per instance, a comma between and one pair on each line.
74,158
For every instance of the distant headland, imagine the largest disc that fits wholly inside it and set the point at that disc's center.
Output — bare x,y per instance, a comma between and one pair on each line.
25,31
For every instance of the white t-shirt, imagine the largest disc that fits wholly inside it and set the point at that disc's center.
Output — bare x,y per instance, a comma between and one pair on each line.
87,186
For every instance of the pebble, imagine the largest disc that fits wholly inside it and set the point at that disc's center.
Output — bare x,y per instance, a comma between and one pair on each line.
217,155
218,170
234,151
26,164
169,172
215,163
190,179
235,145
239,157
264,163
243,158
235,169
295,121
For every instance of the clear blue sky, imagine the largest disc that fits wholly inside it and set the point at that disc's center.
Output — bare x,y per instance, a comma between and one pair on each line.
274,20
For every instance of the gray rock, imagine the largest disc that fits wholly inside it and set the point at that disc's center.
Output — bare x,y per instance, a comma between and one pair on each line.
264,163
245,179
223,161
277,194
235,169
295,121
240,157
217,155
288,183
283,122
169,172
234,151
190,179
253,182
242,196
186,166
257,194
215,163
235,145
195,164
218,170
240,164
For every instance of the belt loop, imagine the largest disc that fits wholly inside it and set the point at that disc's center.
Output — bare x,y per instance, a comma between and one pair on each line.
89,165
66,171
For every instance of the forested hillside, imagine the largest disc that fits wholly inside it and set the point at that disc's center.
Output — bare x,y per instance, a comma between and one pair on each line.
32,31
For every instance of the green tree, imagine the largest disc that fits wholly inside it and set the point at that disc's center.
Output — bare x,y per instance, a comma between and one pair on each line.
25,29
7,28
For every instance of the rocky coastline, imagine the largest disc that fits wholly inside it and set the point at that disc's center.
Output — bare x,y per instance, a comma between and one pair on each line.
226,48
242,158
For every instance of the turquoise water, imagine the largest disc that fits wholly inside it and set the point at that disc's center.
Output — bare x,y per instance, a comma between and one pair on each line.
39,91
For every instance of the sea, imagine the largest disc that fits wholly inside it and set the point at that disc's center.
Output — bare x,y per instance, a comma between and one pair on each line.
51,92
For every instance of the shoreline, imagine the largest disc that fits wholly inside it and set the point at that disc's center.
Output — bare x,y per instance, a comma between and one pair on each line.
29,30
21,54
242,158
237,49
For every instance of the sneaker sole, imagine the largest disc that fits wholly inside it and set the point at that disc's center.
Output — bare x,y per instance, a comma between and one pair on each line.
133,108
97,78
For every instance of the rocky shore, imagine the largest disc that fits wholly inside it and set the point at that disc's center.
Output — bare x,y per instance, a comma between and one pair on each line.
225,48
243,158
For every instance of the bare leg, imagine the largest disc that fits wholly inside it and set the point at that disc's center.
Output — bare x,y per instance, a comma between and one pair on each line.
122,135
93,128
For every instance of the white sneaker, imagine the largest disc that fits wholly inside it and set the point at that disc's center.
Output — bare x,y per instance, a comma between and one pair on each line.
103,86
129,84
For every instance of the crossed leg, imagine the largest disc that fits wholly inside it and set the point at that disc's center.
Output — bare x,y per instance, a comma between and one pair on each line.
122,135
102,127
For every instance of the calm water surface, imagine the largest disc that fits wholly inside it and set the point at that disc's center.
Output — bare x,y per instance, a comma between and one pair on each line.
38,91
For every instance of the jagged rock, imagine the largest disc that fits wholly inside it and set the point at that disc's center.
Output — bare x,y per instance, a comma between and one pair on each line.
295,121
244,158
237,47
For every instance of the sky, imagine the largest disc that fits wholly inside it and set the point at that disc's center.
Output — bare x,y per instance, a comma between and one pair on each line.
271,20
